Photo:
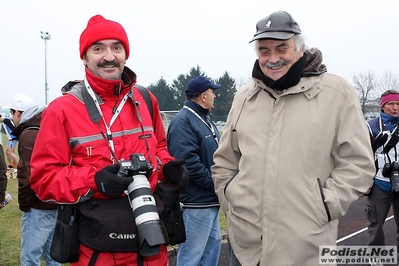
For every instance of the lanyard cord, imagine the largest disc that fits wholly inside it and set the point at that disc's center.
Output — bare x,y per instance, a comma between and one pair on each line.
108,136
203,121
144,136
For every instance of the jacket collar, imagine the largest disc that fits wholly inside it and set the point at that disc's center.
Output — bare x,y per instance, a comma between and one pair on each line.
197,108
310,87
111,88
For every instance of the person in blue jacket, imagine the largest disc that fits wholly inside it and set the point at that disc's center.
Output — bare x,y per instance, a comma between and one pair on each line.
192,136
385,144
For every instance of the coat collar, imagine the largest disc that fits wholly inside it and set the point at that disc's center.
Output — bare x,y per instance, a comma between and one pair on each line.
111,88
310,87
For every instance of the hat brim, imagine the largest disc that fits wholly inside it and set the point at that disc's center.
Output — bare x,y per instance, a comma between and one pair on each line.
216,86
278,35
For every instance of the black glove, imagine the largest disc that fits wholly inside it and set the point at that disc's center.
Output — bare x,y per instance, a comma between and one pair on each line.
109,183
378,141
176,173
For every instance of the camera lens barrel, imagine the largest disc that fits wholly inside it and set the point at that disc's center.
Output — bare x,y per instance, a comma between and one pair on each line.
141,200
151,232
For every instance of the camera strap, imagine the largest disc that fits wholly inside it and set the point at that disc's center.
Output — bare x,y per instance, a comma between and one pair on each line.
208,124
392,142
115,115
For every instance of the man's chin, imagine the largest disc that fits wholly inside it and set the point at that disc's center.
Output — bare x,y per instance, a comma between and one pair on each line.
275,74
110,75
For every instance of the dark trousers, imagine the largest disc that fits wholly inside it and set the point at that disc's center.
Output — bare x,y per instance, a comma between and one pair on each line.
378,205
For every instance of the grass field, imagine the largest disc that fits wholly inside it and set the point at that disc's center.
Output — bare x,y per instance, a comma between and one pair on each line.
10,224
10,227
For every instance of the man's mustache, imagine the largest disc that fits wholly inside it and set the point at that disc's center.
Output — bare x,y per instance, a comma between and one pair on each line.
278,64
106,63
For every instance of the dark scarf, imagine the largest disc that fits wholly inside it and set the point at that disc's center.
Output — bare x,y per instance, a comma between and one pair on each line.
308,65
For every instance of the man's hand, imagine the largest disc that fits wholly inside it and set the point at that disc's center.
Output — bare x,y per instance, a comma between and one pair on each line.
109,183
176,173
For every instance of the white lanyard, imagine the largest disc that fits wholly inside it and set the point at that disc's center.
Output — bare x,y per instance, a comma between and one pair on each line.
118,110
208,125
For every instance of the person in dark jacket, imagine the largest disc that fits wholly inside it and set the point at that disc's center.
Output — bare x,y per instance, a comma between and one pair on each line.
39,218
384,194
3,177
192,136
12,158
19,102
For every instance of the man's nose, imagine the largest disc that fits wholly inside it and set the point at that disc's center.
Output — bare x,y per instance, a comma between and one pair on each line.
109,55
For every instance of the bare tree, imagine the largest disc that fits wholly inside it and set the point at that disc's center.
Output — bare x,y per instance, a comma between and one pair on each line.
241,81
365,84
388,81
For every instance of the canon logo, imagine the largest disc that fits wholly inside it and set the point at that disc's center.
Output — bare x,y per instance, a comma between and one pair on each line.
122,236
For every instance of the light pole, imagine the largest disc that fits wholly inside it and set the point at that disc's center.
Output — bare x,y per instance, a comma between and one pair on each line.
46,37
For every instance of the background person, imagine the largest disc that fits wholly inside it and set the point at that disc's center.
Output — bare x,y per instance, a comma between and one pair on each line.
18,103
192,136
12,158
3,177
294,153
39,218
84,134
385,145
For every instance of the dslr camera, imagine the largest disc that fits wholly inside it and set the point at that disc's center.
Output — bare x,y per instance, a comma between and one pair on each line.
391,170
151,232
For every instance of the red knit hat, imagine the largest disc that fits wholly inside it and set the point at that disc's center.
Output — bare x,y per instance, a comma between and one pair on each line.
98,28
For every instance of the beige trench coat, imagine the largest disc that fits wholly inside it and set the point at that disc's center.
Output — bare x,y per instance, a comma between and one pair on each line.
289,166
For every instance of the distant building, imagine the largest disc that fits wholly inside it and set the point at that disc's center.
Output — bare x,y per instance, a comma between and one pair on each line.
372,109
5,111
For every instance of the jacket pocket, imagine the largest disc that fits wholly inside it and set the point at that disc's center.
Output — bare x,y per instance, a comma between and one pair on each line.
228,183
320,206
324,199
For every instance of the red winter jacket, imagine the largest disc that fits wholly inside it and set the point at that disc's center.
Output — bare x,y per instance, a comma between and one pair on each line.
70,147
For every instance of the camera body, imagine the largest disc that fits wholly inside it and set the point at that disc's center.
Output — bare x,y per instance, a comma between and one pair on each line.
391,170
150,229
137,165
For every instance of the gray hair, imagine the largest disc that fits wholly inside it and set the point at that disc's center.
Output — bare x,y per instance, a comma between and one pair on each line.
299,43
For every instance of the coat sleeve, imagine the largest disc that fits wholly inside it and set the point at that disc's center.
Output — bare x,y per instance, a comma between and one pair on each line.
228,155
353,157
53,178
25,147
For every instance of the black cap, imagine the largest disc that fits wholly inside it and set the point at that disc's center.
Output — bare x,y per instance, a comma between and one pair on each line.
279,25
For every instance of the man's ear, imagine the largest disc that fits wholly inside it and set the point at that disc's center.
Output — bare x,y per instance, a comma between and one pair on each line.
203,96
84,60
302,50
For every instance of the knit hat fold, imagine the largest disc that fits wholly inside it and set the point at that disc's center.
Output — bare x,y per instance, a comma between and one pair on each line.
388,98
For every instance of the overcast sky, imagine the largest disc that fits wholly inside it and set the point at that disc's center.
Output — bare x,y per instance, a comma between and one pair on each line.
168,38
